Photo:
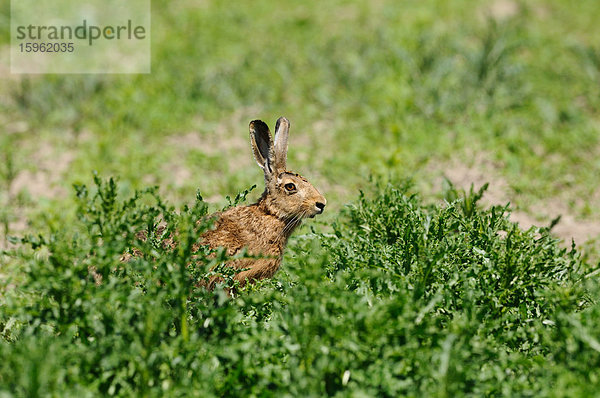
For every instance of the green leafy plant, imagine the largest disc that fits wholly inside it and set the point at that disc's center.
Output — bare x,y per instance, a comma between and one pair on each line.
400,298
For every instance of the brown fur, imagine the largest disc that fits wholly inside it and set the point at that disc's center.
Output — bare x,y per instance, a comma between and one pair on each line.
263,228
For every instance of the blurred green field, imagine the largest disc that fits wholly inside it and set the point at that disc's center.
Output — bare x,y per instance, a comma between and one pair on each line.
502,91
393,89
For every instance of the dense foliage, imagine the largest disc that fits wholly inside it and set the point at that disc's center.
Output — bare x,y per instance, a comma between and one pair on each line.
407,88
398,299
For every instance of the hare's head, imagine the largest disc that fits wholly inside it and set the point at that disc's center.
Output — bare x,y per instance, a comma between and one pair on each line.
288,195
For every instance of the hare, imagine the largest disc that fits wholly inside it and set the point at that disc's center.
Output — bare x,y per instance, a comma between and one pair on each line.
263,228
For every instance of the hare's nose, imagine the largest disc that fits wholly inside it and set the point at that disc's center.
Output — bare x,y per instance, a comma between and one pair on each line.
320,206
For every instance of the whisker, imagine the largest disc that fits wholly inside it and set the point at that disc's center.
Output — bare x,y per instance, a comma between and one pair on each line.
293,222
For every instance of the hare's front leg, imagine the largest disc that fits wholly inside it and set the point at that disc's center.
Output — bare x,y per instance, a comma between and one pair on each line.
261,269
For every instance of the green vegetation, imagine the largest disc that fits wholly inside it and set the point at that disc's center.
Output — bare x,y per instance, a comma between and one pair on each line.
400,299
408,290
396,88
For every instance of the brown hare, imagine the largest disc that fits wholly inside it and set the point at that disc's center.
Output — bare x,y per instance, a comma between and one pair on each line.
264,227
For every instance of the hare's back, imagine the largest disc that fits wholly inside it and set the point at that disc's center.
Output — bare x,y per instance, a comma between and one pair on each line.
246,227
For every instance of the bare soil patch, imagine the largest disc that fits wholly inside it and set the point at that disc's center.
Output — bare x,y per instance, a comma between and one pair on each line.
40,179
479,169
44,180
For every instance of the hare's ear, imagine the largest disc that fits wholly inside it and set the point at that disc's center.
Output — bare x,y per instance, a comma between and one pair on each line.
262,145
282,129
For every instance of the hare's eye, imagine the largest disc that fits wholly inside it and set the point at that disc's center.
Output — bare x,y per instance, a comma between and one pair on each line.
290,187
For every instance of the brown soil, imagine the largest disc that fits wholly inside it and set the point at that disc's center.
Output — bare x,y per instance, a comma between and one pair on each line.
44,181
480,170
41,180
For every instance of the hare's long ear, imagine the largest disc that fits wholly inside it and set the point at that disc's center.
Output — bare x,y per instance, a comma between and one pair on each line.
282,129
262,145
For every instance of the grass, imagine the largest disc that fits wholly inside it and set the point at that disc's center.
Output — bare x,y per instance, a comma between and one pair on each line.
405,293
406,89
